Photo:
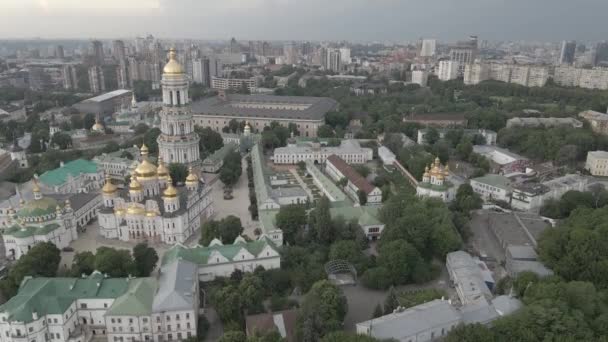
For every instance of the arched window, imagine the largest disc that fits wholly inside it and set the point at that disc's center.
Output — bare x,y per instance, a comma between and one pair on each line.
170,129
182,129
179,100
171,98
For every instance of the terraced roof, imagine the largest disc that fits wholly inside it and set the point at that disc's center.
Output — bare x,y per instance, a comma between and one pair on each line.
200,255
18,232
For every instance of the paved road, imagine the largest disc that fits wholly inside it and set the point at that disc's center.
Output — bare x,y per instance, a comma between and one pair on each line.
238,206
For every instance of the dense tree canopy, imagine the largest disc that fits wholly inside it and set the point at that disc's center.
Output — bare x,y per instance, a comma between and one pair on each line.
41,260
323,310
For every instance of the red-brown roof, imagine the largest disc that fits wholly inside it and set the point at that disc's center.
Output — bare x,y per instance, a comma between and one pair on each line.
265,323
351,174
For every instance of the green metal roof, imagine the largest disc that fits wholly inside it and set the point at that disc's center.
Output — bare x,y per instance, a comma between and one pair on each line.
38,207
221,153
48,296
497,181
19,232
137,300
365,215
446,185
59,175
199,255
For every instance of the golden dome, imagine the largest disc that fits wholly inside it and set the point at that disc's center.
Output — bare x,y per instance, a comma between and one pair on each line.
162,171
109,188
173,66
134,185
97,127
171,191
134,209
446,171
151,213
426,172
192,177
119,212
145,169
437,161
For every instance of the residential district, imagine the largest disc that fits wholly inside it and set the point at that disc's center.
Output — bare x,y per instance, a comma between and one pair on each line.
157,190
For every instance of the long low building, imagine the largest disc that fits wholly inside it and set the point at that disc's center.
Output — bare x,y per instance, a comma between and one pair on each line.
349,150
307,113
219,260
338,169
164,307
433,320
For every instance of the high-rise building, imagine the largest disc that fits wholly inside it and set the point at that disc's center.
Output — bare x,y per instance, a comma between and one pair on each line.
567,52
464,52
59,52
97,52
202,71
334,60
448,70
600,54
70,80
345,55
291,53
122,75
177,143
234,46
97,80
118,50
307,48
420,77
428,48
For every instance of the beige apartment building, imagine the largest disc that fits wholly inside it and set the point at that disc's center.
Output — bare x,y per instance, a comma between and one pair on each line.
597,163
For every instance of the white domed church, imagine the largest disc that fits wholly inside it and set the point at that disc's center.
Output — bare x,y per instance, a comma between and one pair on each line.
152,208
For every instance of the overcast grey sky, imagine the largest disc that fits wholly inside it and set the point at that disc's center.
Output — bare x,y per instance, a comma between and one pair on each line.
365,20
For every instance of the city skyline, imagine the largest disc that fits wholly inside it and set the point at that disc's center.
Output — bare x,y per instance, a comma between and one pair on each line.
356,20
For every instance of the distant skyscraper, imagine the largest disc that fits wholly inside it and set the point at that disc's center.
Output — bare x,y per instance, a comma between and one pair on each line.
448,70
97,81
201,70
70,80
600,55
122,75
428,48
118,50
334,60
234,46
307,48
345,55
59,53
97,52
464,52
290,52
567,52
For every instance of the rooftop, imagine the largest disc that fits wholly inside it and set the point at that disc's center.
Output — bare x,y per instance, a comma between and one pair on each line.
199,255
108,96
593,115
598,154
137,301
74,168
497,181
468,275
412,321
266,106
516,228
45,296
177,284
496,154
350,173
302,146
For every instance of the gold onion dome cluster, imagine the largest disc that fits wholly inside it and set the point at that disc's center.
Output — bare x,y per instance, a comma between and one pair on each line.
173,67
134,185
436,170
192,178
109,188
145,169
134,209
170,191
162,172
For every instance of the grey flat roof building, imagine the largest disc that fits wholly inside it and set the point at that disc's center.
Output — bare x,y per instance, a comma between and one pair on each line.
266,106
177,287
